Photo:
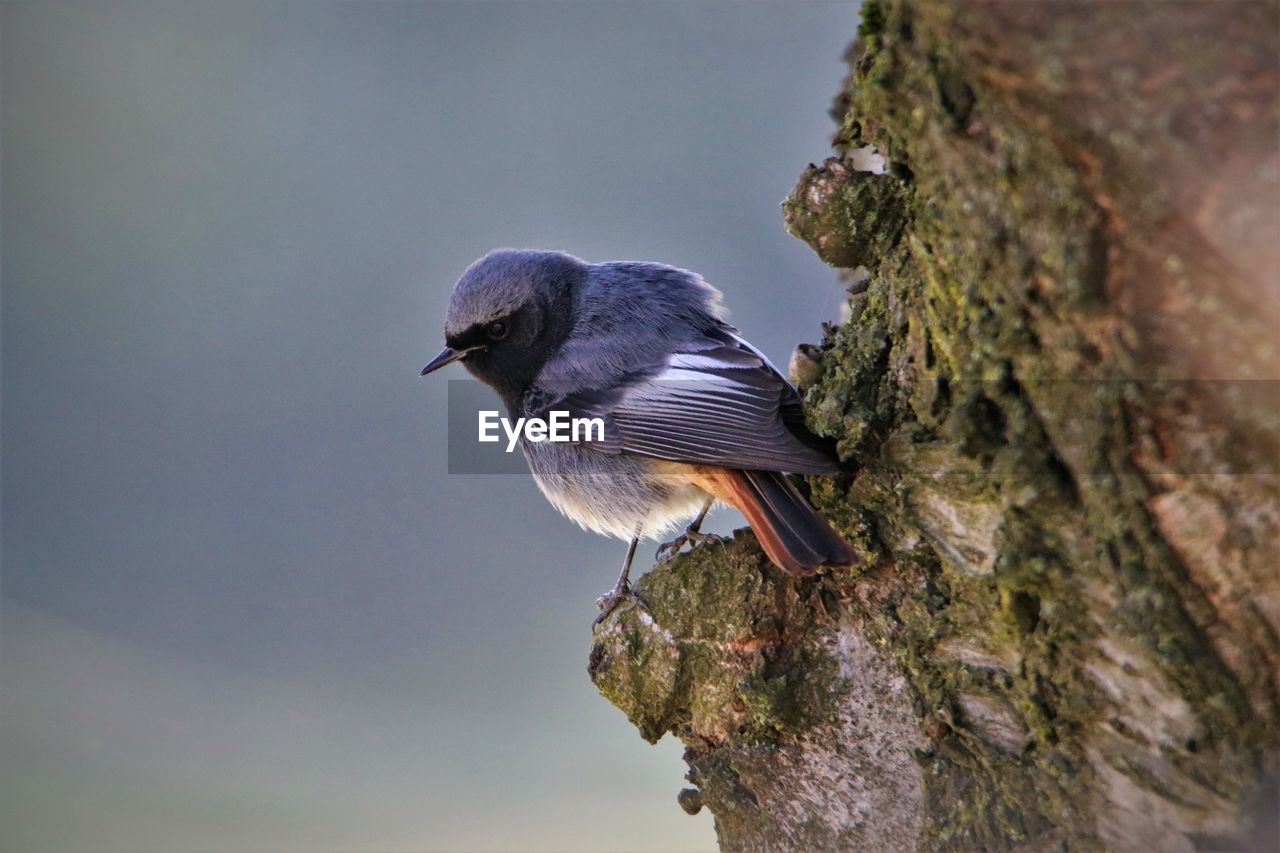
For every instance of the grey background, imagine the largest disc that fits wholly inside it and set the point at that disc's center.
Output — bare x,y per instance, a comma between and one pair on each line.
466,399
244,605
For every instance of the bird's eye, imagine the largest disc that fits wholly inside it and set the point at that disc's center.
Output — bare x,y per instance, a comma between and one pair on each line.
497,330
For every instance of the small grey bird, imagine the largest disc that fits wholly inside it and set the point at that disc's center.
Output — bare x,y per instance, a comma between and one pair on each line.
692,412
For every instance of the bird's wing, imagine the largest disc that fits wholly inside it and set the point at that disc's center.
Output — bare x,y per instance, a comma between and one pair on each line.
715,401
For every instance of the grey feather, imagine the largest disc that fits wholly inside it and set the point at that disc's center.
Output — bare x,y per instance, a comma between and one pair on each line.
710,398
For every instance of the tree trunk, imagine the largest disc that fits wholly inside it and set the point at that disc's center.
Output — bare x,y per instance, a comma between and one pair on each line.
1057,400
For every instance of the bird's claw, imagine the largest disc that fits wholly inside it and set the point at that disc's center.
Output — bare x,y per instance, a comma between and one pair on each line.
667,550
609,602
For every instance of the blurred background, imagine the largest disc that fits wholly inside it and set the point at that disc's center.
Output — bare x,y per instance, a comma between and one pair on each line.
244,605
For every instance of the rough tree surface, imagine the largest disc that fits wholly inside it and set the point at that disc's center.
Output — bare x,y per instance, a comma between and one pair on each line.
1056,399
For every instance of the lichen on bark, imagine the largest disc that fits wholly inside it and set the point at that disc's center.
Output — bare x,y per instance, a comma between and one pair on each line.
1056,402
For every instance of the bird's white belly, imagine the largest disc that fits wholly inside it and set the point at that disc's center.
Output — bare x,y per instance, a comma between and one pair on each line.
612,495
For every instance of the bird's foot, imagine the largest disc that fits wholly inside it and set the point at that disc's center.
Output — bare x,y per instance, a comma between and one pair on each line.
667,550
609,602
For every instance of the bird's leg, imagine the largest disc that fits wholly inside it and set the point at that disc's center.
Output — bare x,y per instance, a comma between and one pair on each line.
622,589
693,533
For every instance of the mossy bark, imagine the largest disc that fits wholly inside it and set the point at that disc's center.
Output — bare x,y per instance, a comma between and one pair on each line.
1056,399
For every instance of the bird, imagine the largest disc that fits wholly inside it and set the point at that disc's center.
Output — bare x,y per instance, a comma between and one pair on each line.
692,412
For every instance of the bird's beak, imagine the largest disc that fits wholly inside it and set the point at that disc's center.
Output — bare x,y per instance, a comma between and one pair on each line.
448,355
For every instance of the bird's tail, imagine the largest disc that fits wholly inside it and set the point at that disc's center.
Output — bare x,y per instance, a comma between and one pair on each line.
796,538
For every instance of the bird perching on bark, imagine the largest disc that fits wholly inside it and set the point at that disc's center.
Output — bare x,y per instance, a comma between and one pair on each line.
692,412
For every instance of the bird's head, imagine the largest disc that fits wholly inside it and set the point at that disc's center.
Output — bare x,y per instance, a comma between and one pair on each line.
508,313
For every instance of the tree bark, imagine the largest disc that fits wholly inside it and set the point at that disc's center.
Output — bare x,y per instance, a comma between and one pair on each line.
1056,397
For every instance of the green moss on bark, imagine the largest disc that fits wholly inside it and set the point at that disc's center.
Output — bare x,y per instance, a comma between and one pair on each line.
716,653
